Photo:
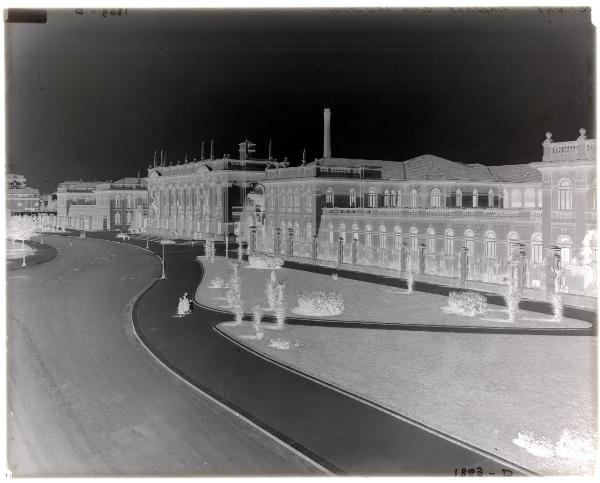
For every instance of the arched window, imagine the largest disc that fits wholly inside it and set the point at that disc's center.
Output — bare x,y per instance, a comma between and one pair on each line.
539,198
272,196
449,241
129,202
382,235
470,241
117,218
297,231
397,238
431,240
329,196
537,253
352,193
414,239
309,231
283,200
343,232
128,218
330,229
117,201
386,198
296,200
435,198
490,245
565,198
413,198
515,196
308,199
565,244
593,203
290,200
368,229
458,198
355,232
529,198
513,243
491,198
393,198
372,198
475,198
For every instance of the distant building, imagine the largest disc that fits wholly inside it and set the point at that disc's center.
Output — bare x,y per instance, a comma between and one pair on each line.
91,205
20,198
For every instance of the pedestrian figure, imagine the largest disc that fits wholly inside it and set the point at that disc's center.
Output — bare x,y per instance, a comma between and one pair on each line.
191,306
70,242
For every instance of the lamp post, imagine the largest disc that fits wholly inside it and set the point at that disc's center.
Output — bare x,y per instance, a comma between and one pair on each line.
163,261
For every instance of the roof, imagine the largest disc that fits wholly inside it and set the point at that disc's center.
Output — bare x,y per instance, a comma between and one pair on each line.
23,191
130,181
517,173
431,167
390,169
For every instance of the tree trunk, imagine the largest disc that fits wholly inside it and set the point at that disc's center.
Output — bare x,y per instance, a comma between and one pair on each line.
23,250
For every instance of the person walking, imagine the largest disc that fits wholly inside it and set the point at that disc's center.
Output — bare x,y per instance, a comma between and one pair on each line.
70,242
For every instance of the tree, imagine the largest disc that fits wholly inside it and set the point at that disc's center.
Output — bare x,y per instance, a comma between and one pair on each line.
22,228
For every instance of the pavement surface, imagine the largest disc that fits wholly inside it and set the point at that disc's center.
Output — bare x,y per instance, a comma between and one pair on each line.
85,398
341,433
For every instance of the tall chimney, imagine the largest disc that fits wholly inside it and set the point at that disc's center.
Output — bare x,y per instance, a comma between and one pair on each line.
326,133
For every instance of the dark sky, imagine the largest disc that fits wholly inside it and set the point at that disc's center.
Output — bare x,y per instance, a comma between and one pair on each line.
91,97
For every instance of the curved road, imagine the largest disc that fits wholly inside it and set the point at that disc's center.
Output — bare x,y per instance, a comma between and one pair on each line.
85,398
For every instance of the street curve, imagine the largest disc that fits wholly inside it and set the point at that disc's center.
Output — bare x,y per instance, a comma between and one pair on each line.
84,397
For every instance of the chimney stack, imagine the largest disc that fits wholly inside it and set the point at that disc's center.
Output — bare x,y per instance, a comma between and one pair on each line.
327,133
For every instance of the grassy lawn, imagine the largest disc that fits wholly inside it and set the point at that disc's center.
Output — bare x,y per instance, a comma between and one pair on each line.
483,389
480,388
363,301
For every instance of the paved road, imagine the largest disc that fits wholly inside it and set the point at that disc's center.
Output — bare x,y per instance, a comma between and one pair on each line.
343,434
85,398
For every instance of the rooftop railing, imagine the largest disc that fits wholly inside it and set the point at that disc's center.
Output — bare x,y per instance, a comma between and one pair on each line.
495,213
580,149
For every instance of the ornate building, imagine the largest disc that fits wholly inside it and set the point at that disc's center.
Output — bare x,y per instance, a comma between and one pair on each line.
205,198
428,213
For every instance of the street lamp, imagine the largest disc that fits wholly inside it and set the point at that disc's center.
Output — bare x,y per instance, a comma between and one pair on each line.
163,243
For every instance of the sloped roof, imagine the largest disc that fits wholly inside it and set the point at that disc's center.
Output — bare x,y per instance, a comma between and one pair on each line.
130,181
517,173
431,167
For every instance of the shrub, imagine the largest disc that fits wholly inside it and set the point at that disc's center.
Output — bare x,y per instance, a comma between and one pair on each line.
239,314
216,283
467,303
314,302
263,260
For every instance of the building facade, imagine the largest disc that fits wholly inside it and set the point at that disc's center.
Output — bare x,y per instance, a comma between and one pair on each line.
20,198
119,205
205,198
442,218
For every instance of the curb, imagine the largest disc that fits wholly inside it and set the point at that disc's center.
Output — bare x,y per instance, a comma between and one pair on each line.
132,329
